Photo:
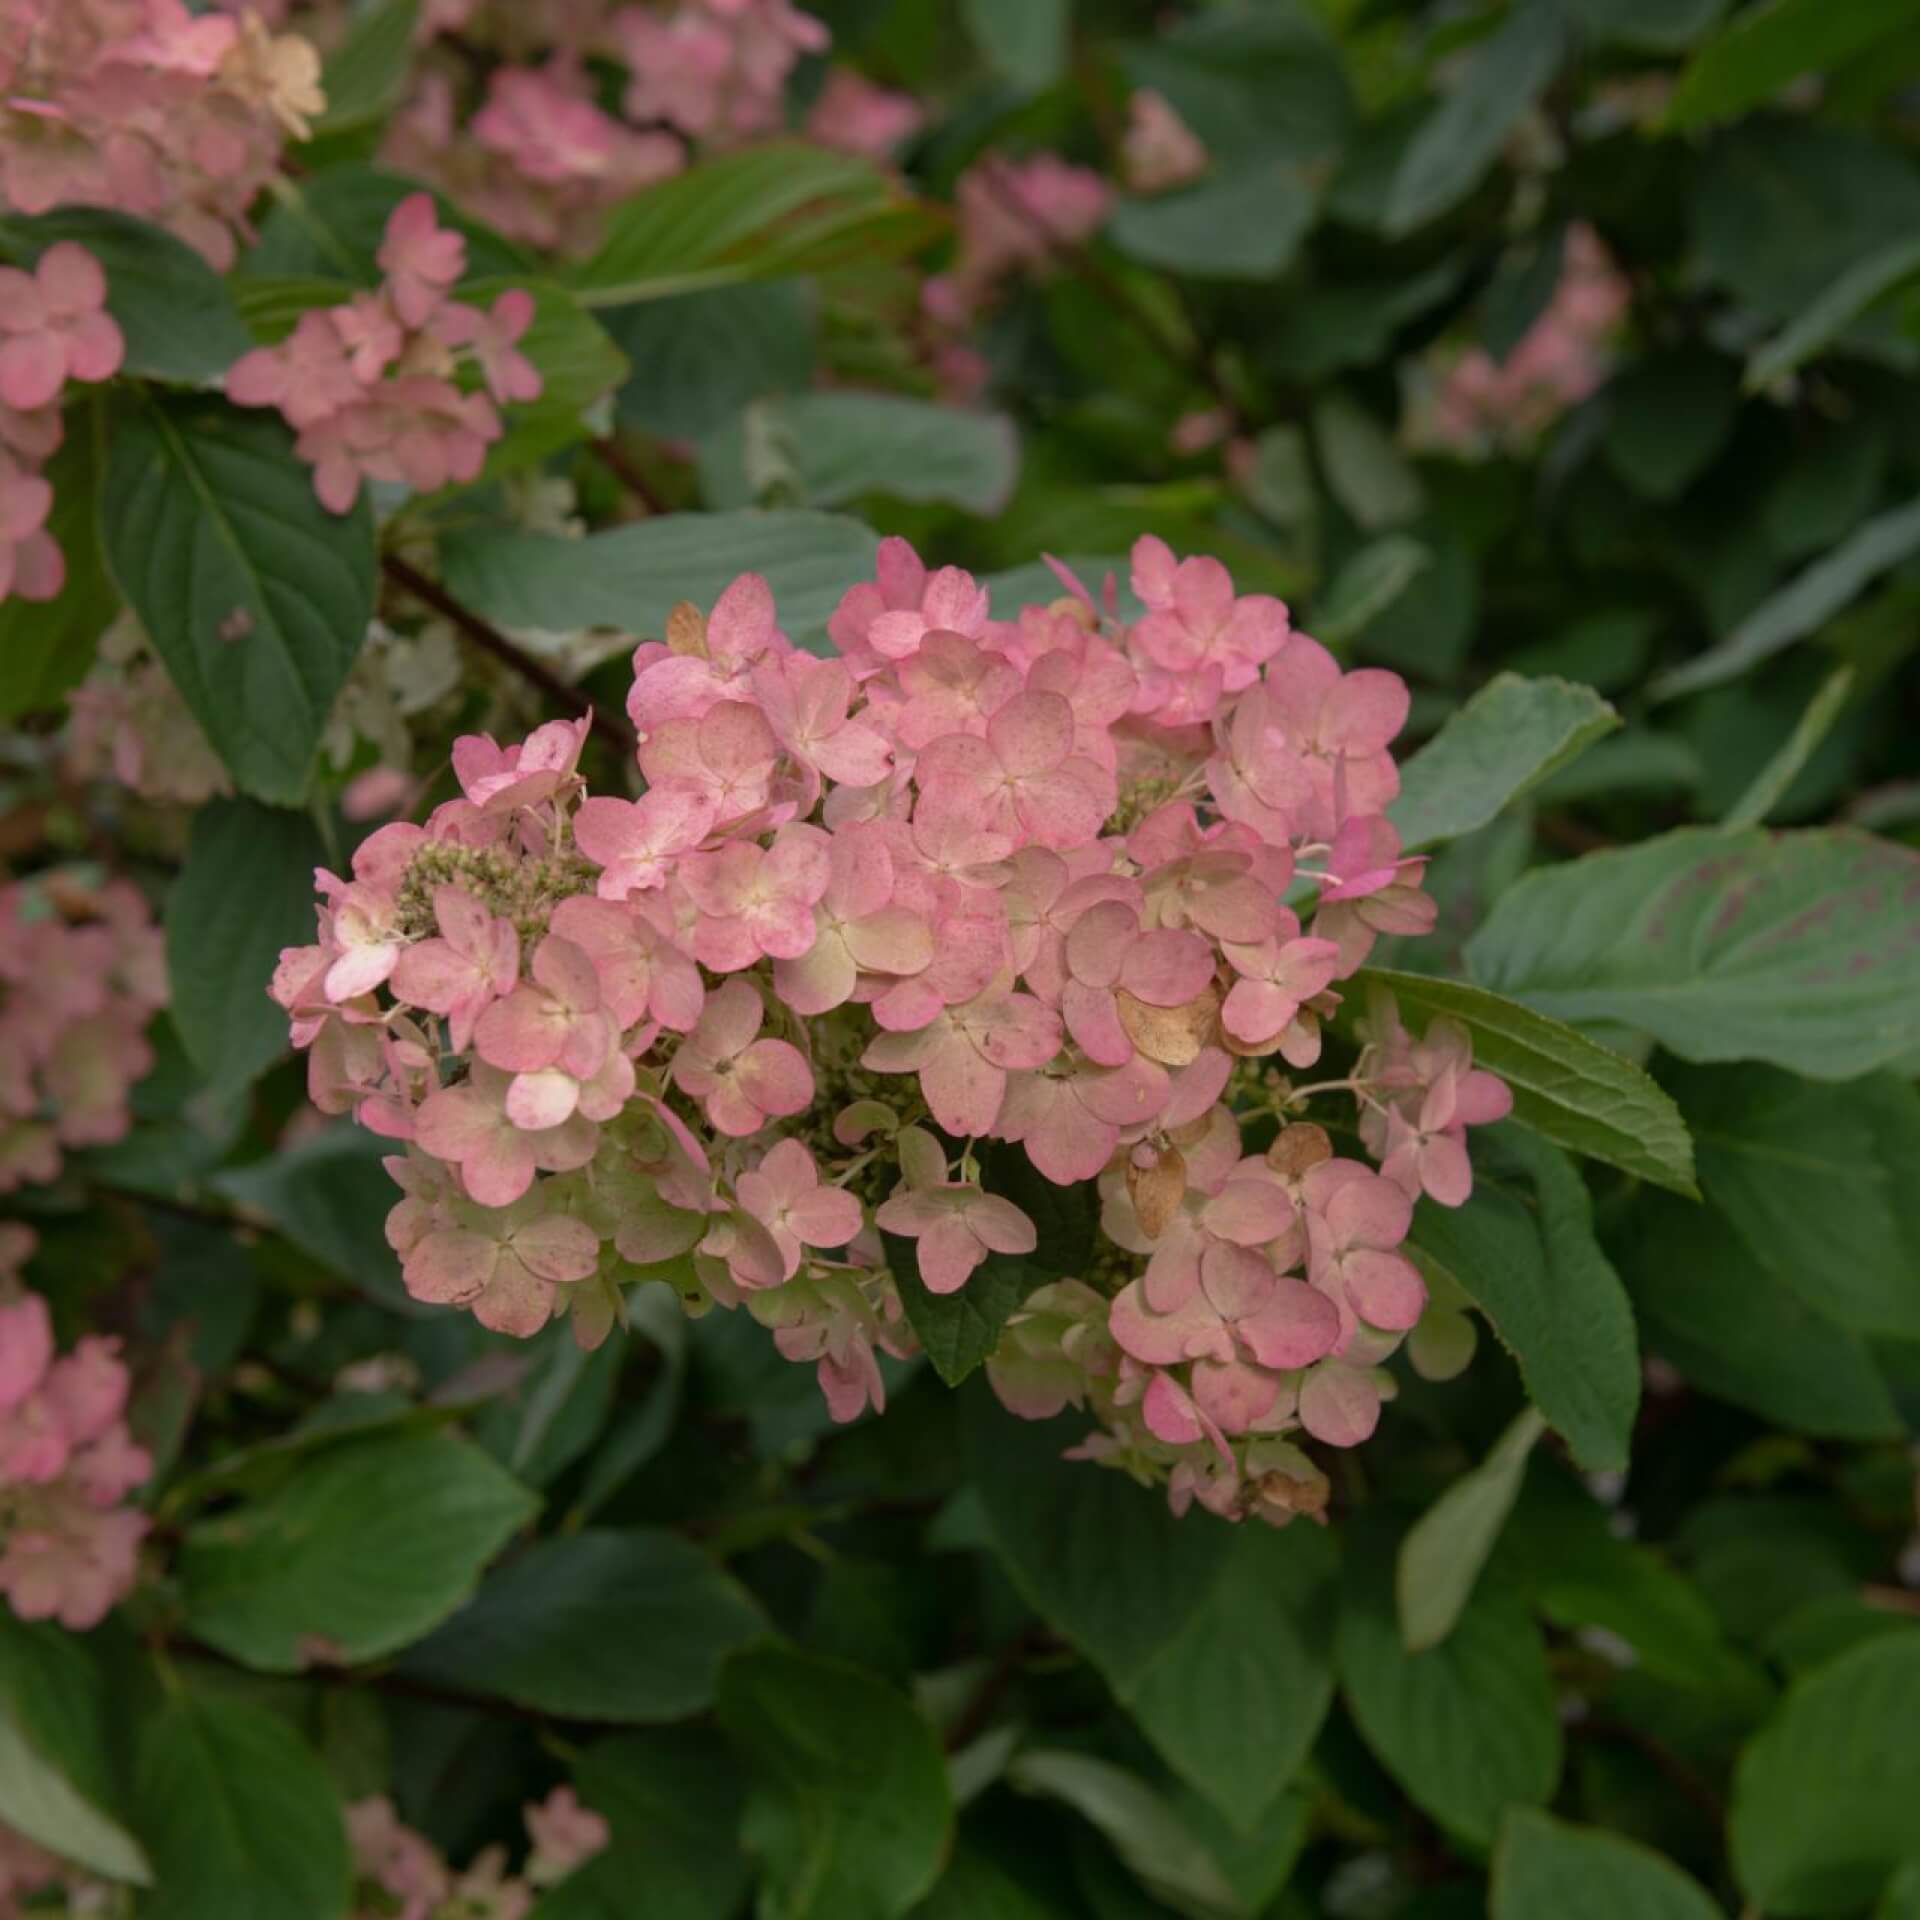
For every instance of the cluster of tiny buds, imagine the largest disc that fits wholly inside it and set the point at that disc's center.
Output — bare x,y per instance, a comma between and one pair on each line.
1059,881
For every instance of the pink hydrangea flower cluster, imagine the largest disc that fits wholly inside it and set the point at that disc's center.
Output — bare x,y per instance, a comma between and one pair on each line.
540,159
1014,217
1558,362
371,387
402,1875
1160,150
856,116
82,971
68,1548
150,107
54,327
715,69
1074,883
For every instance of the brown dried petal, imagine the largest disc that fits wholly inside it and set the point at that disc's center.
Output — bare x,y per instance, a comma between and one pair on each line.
1157,1188
1173,1036
687,630
1298,1147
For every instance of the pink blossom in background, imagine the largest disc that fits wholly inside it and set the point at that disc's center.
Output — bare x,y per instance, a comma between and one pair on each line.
1018,880
1160,150
1561,359
68,1548
369,385
858,117
714,69
1014,216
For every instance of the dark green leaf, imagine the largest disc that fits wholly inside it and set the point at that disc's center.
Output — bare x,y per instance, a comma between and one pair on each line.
1214,1639
602,1625
1246,224
1667,417
1025,41
698,358
827,449
1462,137
1546,1869
245,892
287,1581
1764,47
1817,1181
1530,1262
1363,467
254,595
1803,606
848,1812
1469,1727
1770,785
58,1722
239,1816
1511,735
47,647
1366,586
368,72
763,213
1734,1330
1823,1800
178,319
1445,1549
1802,949
1817,325
631,579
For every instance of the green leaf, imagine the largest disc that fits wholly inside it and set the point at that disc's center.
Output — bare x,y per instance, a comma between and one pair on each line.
1462,137
239,1817
177,317
1817,1181
1364,468
1658,26
368,72
1367,585
1769,786
1469,1727
1734,1330
975,1888
629,1625
1445,1549
1531,1264
1803,606
245,892
959,1330
1214,1639
254,595
1823,1797
47,647
1160,1850
1816,326
848,1811
1548,1869
1901,1898
765,212
828,449
1573,1091
1242,224
1765,47
1025,41
1796,948
1667,418
1510,736
283,1582
631,579
330,1195
699,358
59,1727
672,1800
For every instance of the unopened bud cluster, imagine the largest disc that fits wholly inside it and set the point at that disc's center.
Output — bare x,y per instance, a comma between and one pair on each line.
1063,880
